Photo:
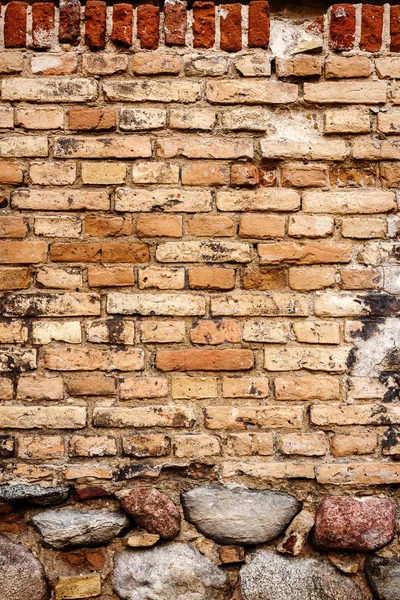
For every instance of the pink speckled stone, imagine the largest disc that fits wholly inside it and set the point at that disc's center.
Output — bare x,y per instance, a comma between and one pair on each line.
345,523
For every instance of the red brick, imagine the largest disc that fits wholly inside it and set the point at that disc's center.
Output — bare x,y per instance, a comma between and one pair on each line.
95,24
42,24
95,119
122,24
15,25
231,27
175,23
203,24
205,360
70,18
342,27
395,29
148,24
259,24
371,28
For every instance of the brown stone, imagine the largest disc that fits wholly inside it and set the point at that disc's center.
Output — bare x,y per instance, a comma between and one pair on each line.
95,24
231,27
360,524
153,511
122,24
371,28
343,27
42,24
70,17
231,554
259,24
203,24
148,23
15,25
175,23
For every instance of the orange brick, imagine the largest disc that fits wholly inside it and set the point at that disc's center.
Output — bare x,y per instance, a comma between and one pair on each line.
12,227
216,331
204,173
159,226
263,279
92,119
211,226
262,227
107,226
205,360
110,276
211,278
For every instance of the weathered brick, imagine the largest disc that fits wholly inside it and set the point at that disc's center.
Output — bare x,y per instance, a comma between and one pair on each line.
318,150
259,305
347,121
99,226
215,332
40,388
110,276
360,279
13,332
305,444
274,417
128,146
342,27
299,66
211,278
144,63
162,332
44,332
52,173
95,24
271,333
304,176
317,332
11,62
262,227
15,24
136,119
175,22
42,417
358,473
23,146
295,358
6,118
268,471
99,385
146,445
230,27
371,28
43,32
81,445
103,174
65,279
143,417
151,91
277,199
155,172
195,147
51,305
14,278
49,90
245,387
159,226
203,65
306,253
196,445
11,172
143,387
205,360
203,24
69,28
40,118
41,447
361,414
394,29
23,252
347,66
148,22
307,388
387,66
83,359
59,226
310,226
155,304
208,174
54,64
111,331
161,278
167,199
12,227
263,278
106,252
349,444
92,119
247,444
346,92
122,28
259,24
202,119
172,252
349,201
250,92
211,226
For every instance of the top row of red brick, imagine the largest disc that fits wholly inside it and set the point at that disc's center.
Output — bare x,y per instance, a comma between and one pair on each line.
173,28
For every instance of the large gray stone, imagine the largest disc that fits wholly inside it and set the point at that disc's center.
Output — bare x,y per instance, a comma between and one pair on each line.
383,575
21,574
271,576
34,494
174,572
69,528
238,516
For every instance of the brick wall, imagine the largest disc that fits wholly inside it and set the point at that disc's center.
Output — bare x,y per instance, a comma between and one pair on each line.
199,258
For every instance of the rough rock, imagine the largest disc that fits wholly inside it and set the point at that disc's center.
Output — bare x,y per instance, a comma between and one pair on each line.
383,575
175,571
297,533
142,540
21,574
270,576
71,528
153,511
345,523
238,516
34,494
